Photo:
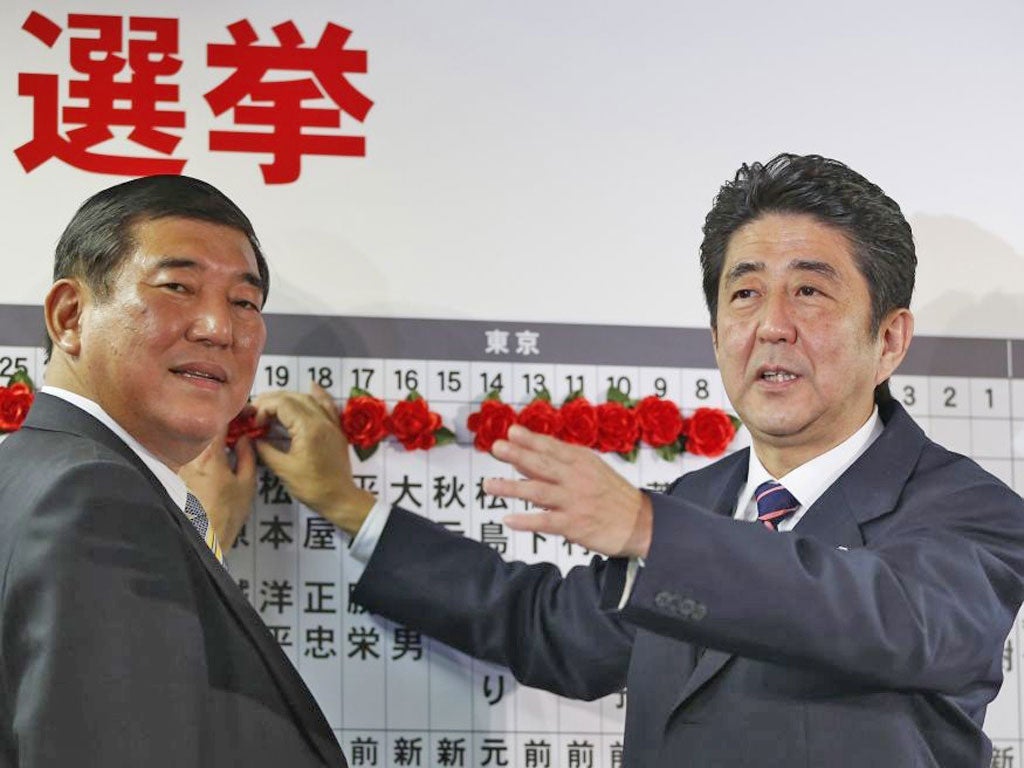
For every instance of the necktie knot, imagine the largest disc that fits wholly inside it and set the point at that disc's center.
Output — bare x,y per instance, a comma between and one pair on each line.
774,504
197,516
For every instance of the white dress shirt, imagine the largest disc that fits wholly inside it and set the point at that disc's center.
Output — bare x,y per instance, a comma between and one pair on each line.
810,480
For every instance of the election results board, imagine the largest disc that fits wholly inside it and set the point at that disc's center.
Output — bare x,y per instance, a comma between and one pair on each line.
396,698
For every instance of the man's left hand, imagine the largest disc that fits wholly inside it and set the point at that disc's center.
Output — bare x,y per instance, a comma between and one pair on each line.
226,493
579,496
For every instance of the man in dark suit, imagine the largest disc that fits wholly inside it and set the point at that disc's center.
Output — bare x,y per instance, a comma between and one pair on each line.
838,595
123,641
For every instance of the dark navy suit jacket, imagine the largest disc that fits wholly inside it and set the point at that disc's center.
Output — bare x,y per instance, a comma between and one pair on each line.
123,642
870,635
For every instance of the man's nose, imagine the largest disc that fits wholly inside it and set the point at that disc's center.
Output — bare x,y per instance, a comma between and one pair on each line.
776,323
212,323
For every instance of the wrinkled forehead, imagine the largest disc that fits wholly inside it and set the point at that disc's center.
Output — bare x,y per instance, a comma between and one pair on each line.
782,240
174,241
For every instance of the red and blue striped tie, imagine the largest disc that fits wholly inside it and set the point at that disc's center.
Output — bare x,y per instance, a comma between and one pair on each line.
774,504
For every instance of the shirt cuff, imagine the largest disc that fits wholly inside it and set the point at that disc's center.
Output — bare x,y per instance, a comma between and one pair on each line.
632,571
365,541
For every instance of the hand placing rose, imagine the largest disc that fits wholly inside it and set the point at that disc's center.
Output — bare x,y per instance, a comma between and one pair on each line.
709,432
15,401
245,425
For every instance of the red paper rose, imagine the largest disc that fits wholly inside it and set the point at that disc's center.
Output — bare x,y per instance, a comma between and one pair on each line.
579,423
15,401
363,421
413,423
617,429
490,423
709,432
660,421
540,416
244,424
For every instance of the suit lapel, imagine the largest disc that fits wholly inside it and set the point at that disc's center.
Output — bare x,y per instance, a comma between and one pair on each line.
55,415
871,487
304,707
868,489
715,487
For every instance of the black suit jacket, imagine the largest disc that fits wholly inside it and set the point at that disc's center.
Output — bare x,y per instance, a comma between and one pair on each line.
871,635
123,642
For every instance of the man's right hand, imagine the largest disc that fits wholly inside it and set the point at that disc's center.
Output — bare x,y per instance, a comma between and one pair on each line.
316,467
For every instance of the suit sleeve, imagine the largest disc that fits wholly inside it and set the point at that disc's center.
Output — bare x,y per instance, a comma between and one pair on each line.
102,644
925,604
548,630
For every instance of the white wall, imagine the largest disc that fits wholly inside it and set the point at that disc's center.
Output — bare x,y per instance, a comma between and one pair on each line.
554,161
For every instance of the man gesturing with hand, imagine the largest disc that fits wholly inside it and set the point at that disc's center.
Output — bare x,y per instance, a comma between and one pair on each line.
836,595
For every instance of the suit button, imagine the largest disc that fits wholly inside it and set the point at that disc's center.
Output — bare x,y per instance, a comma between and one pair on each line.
668,601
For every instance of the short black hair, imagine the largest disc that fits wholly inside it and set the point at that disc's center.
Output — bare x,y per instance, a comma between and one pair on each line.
834,194
101,235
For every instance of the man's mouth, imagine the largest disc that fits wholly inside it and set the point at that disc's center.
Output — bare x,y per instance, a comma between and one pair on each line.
212,373
777,375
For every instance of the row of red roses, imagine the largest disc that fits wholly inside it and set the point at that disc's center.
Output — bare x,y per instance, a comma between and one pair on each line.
619,425
15,400
366,422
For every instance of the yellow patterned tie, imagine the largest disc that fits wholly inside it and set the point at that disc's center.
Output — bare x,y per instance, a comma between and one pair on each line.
194,511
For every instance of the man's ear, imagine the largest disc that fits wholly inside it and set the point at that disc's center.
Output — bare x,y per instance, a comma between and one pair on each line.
894,336
64,307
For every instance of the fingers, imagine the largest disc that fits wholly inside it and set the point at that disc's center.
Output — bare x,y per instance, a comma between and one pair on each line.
541,521
527,462
310,420
325,401
210,461
217,450
290,408
539,456
537,492
550,446
274,458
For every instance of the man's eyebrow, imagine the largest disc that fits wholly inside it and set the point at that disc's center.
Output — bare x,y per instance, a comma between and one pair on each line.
743,268
822,268
173,262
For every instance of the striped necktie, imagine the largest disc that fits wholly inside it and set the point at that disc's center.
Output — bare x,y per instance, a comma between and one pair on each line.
774,504
197,515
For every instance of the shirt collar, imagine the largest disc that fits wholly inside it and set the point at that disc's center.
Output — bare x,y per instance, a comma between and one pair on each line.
812,478
173,484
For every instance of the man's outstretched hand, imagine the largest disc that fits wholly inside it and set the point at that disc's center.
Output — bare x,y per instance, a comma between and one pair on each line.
577,494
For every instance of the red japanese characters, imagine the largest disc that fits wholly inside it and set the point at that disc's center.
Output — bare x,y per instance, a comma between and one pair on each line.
124,84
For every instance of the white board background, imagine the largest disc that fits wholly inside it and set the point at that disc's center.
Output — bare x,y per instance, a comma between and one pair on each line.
554,161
